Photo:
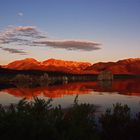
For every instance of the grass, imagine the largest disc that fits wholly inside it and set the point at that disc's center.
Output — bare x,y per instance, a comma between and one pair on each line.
38,120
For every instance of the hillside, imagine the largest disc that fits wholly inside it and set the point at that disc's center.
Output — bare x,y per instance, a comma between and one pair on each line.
129,66
48,65
126,66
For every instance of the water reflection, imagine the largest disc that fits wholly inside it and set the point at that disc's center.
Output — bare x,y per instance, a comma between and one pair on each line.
55,91
125,87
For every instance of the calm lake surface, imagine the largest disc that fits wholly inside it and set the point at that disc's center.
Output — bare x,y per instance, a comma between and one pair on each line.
103,94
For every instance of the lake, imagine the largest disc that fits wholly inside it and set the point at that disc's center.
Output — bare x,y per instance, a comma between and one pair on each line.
100,93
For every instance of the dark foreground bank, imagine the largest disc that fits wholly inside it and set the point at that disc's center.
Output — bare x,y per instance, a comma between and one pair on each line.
38,120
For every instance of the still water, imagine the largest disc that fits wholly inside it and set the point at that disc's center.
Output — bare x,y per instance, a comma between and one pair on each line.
102,94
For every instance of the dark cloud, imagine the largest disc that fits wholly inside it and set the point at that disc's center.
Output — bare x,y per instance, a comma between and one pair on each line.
11,50
19,35
31,36
70,44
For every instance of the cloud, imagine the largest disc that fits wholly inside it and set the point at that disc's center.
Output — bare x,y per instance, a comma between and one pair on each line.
20,14
11,50
85,45
20,35
31,36
25,28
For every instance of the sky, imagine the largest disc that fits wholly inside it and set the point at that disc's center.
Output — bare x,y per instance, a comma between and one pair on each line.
77,30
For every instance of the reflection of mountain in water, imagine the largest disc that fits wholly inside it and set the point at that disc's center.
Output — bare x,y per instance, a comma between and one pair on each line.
53,91
126,87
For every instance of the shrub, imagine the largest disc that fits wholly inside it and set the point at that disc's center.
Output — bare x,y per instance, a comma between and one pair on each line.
117,124
38,120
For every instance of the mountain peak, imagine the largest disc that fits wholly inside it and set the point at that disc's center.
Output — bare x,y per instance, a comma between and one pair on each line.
25,64
30,60
48,65
130,60
133,59
126,66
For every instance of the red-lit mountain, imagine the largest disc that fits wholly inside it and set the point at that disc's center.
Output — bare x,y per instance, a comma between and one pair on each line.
126,66
25,64
48,65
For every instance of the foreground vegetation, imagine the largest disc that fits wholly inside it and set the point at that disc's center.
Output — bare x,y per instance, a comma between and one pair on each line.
39,120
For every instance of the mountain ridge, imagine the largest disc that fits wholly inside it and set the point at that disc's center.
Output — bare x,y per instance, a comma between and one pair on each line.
125,66
48,65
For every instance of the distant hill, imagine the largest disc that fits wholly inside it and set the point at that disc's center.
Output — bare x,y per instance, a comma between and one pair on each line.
126,66
48,65
129,66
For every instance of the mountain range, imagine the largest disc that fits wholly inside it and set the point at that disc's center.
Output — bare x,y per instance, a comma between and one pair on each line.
129,66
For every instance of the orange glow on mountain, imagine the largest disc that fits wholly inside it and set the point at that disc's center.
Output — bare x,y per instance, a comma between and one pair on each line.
49,65
126,66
